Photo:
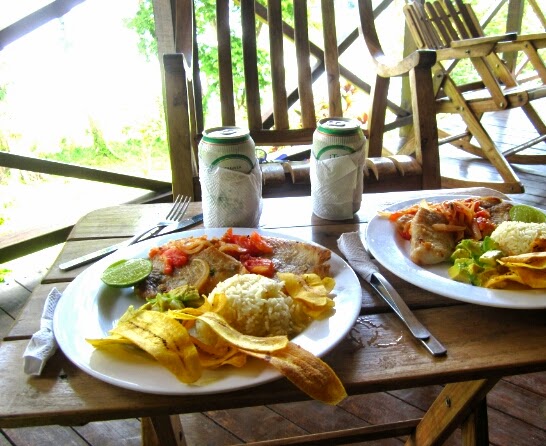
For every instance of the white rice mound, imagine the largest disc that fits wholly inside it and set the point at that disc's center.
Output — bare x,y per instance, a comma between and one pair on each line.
257,306
515,237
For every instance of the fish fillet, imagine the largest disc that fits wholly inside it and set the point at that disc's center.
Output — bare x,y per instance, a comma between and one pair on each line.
427,245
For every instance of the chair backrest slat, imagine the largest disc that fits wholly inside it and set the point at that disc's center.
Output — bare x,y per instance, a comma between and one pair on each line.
250,58
475,22
419,23
446,21
331,58
280,107
305,82
227,103
459,25
435,18
467,19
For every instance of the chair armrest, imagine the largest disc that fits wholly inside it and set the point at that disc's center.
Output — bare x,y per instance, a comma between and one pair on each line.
481,40
534,38
388,67
537,40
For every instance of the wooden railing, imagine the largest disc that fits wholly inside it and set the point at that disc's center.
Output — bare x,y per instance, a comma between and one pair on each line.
27,243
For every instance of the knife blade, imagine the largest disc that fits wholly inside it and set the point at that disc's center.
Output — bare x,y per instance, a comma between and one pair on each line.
88,258
350,244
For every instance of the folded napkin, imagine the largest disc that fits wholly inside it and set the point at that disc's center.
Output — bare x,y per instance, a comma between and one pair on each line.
337,185
350,244
231,198
42,345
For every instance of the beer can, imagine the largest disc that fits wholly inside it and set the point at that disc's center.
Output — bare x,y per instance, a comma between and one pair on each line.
228,147
335,137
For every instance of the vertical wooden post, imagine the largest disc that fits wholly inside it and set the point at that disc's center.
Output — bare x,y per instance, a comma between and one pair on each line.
513,24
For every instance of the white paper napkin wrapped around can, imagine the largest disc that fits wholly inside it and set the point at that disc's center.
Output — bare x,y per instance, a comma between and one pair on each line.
42,345
231,198
337,185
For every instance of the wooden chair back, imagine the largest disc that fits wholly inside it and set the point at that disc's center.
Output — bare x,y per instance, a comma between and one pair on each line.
267,117
452,30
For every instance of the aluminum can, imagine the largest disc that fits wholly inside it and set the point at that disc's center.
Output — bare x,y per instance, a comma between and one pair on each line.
228,147
335,137
336,168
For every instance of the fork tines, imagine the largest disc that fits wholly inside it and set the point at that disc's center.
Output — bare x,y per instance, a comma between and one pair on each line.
179,208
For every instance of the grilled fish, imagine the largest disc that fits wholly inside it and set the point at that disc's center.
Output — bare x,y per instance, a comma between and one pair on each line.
429,246
292,256
288,256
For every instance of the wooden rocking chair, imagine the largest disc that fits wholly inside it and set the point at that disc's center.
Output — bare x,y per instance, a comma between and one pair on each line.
454,33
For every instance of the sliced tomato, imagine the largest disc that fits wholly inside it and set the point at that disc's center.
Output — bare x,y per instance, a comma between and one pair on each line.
174,258
253,244
233,249
483,213
258,265
260,244
486,225
154,251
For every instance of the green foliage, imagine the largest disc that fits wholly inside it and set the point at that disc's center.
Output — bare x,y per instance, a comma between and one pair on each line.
142,145
3,273
100,146
205,20
144,25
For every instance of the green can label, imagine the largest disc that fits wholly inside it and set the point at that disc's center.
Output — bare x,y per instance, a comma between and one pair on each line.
228,147
335,137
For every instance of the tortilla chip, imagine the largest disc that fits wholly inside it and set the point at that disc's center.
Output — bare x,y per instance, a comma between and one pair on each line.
534,278
166,340
309,373
501,280
534,260
528,269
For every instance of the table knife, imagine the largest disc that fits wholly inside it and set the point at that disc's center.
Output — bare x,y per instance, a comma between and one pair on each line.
351,246
88,258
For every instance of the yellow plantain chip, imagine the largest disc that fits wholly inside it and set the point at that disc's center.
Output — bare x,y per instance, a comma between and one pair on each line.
218,350
534,260
219,325
311,291
109,340
216,356
234,358
309,373
329,283
166,340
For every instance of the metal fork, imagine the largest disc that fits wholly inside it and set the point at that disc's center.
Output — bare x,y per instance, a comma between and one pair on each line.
176,214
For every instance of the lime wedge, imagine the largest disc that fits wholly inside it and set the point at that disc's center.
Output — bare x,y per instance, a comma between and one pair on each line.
526,214
126,273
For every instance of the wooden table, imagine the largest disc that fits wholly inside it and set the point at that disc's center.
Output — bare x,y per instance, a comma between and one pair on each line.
484,344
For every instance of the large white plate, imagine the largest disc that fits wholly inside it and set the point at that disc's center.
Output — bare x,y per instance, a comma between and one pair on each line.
89,309
392,251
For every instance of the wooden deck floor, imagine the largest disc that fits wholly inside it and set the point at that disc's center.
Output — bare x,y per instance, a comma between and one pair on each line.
516,406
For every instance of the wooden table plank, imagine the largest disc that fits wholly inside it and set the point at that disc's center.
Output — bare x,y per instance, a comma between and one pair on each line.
29,320
377,356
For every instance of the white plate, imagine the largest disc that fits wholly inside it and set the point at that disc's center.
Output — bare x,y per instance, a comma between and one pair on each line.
392,251
89,309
